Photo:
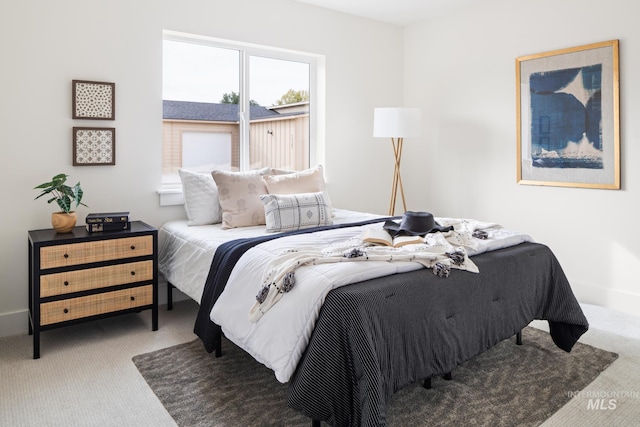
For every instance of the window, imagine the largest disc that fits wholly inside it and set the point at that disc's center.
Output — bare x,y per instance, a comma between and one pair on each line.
234,106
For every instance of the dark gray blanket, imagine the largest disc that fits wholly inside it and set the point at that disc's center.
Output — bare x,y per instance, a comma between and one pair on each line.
374,337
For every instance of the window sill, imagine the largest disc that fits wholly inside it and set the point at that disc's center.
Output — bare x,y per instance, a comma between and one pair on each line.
171,196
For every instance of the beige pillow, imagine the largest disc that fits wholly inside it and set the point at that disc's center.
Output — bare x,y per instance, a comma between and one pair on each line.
306,181
239,194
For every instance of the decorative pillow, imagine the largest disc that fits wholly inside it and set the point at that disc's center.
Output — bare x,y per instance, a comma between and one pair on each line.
239,194
200,198
287,212
306,181
276,171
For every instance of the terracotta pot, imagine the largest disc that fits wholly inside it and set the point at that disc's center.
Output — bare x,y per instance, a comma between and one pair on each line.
63,222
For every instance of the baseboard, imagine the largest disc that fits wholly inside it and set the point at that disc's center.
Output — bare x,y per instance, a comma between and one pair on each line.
625,302
16,322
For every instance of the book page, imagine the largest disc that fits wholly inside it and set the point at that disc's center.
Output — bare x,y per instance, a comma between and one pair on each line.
407,240
378,236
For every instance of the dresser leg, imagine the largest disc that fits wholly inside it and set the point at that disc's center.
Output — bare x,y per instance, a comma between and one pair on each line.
154,318
36,344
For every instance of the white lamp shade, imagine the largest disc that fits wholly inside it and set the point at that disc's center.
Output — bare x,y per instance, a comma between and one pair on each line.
396,122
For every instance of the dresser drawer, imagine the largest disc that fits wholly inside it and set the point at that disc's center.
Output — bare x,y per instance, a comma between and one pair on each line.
96,251
91,305
95,278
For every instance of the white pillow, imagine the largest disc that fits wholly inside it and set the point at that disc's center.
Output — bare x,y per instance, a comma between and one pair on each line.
200,198
288,212
239,194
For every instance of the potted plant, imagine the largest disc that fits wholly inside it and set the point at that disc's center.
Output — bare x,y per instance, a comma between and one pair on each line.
64,220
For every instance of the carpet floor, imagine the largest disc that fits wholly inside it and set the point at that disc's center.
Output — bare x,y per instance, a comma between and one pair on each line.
508,385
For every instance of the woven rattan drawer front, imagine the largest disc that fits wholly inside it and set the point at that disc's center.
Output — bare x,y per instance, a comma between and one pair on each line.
95,278
91,305
101,250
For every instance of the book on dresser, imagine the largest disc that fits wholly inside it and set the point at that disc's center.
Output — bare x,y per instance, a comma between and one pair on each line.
108,226
107,217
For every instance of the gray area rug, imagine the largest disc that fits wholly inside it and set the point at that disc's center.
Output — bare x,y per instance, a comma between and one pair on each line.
508,385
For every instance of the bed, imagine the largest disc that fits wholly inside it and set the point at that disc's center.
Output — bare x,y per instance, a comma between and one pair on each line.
349,334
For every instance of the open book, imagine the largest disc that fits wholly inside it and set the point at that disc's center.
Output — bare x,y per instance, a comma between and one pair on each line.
380,236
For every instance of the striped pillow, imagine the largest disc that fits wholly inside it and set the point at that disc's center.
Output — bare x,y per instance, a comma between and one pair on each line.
288,212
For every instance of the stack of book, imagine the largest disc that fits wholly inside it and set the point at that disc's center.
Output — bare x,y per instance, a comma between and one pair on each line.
107,221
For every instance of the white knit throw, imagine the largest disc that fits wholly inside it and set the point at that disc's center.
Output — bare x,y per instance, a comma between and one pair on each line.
279,275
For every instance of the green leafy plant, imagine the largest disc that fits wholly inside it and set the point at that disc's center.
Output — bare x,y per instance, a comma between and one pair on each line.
61,193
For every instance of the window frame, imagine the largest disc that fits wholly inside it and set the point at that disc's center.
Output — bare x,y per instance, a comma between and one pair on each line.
171,193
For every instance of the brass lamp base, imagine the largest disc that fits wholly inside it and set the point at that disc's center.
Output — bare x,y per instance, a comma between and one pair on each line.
397,179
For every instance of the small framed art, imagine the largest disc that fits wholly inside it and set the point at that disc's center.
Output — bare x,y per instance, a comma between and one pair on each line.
568,117
94,100
94,146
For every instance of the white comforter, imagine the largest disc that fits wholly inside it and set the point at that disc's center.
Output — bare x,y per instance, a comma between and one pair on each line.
280,337
185,252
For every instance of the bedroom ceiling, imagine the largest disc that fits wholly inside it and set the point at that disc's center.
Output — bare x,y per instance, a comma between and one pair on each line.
399,12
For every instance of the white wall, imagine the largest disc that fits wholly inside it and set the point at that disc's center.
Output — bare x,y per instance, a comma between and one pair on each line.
460,70
46,44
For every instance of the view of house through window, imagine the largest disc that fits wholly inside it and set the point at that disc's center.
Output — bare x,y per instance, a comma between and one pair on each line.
213,118
205,151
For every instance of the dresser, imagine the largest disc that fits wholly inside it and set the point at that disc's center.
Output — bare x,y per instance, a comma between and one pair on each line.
80,276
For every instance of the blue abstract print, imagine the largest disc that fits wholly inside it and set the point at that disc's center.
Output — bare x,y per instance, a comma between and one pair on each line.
566,118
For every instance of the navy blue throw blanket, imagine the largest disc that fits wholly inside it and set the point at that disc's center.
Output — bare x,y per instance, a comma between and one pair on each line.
225,258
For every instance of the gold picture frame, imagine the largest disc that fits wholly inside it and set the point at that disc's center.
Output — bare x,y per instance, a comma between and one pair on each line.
93,100
568,117
94,146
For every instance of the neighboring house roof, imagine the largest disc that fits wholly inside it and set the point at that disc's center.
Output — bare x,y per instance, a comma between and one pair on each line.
184,110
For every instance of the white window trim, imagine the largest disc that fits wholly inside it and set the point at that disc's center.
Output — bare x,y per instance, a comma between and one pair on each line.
171,194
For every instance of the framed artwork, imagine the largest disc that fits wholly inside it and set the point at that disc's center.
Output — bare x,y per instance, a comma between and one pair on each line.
568,117
94,146
94,100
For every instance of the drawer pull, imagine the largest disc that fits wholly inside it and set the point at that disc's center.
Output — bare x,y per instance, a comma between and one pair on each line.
133,298
133,248
66,255
66,310
133,273
66,283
